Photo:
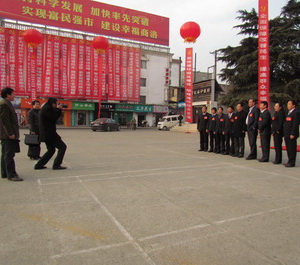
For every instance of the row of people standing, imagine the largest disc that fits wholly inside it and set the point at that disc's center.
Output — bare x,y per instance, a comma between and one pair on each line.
225,133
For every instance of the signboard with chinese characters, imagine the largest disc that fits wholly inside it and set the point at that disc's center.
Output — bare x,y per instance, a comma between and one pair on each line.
263,52
124,107
83,106
202,91
160,109
189,85
90,16
143,108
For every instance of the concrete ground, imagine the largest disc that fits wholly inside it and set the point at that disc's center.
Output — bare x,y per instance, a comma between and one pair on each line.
149,197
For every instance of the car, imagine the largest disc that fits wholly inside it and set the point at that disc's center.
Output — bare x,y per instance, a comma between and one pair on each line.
168,122
105,124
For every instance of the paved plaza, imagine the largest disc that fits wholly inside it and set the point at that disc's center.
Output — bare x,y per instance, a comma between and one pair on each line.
148,197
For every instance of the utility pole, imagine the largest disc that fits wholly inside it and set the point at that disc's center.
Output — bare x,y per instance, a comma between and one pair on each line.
213,84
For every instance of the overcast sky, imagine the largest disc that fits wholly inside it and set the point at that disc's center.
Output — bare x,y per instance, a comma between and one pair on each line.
215,17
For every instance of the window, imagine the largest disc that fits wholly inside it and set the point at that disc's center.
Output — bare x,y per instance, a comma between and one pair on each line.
174,118
143,82
143,64
142,99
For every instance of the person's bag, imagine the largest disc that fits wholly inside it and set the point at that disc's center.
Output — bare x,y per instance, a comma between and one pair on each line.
31,139
17,145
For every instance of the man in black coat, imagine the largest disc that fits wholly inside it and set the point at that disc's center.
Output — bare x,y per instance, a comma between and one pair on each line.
252,124
34,150
277,131
220,138
264,129
239,131
291,132
228,132
212,129
202,127
9,135
49,114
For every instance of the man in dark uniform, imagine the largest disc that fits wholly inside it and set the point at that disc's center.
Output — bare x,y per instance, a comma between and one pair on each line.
252,121
220,139
228,132
34,150
277,131
202,127
49,114
9,135
264,129
291,132
239,131
212,129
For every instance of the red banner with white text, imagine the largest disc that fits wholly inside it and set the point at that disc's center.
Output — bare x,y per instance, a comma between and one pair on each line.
263,52
189,85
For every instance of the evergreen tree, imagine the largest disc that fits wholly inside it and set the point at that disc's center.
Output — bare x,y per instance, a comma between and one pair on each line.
242,61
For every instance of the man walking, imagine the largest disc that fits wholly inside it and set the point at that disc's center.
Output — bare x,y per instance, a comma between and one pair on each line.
291,132
239,131
264,129
252,123
9,134
203,129
34,150
49,114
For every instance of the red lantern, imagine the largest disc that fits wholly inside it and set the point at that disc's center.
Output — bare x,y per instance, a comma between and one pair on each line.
190,31
100,44
32,37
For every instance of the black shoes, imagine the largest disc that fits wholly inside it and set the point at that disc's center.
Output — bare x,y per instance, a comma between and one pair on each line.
200,150
263,160
250,158
276,163
289,165
15,178
36,168
59,168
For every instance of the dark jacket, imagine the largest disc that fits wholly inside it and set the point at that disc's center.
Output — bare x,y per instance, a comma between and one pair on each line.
8,120
228,126
277,122
239,125
220,123
47,121
203,122
291,124
253,117
264,122
212,123
33,116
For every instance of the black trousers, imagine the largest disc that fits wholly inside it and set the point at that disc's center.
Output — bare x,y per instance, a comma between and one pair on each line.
212,139
265,139
239,146
252,137
220,142
61,146
229,143
278,147
8,167
203,140
291,148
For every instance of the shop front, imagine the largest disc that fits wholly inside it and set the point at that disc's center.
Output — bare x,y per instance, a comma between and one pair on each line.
64,119
123,114
82,113
107,110
143,115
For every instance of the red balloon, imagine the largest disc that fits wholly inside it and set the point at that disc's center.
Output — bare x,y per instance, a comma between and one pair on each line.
190,31
33,37
100,44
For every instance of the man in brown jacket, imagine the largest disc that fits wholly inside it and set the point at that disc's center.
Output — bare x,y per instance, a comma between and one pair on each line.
9,135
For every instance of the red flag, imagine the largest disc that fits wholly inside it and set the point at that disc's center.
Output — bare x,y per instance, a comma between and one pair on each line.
189,85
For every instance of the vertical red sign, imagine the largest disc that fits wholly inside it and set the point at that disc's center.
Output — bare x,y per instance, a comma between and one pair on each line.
81,69
130,73
189,85
124,86
32,72
20,82
110,71
73,69
117,72
95,74
48,67
2,58
12,58
88,70
56,61
39,69
103,76
137,75
64,67
263,52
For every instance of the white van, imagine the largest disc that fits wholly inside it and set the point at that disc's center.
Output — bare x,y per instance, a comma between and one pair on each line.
168,122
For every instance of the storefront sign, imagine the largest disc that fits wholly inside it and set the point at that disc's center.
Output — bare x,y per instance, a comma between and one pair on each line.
263,52
160,109
83,106
107,106
90,16
202,91
143,108
125,107
189,85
